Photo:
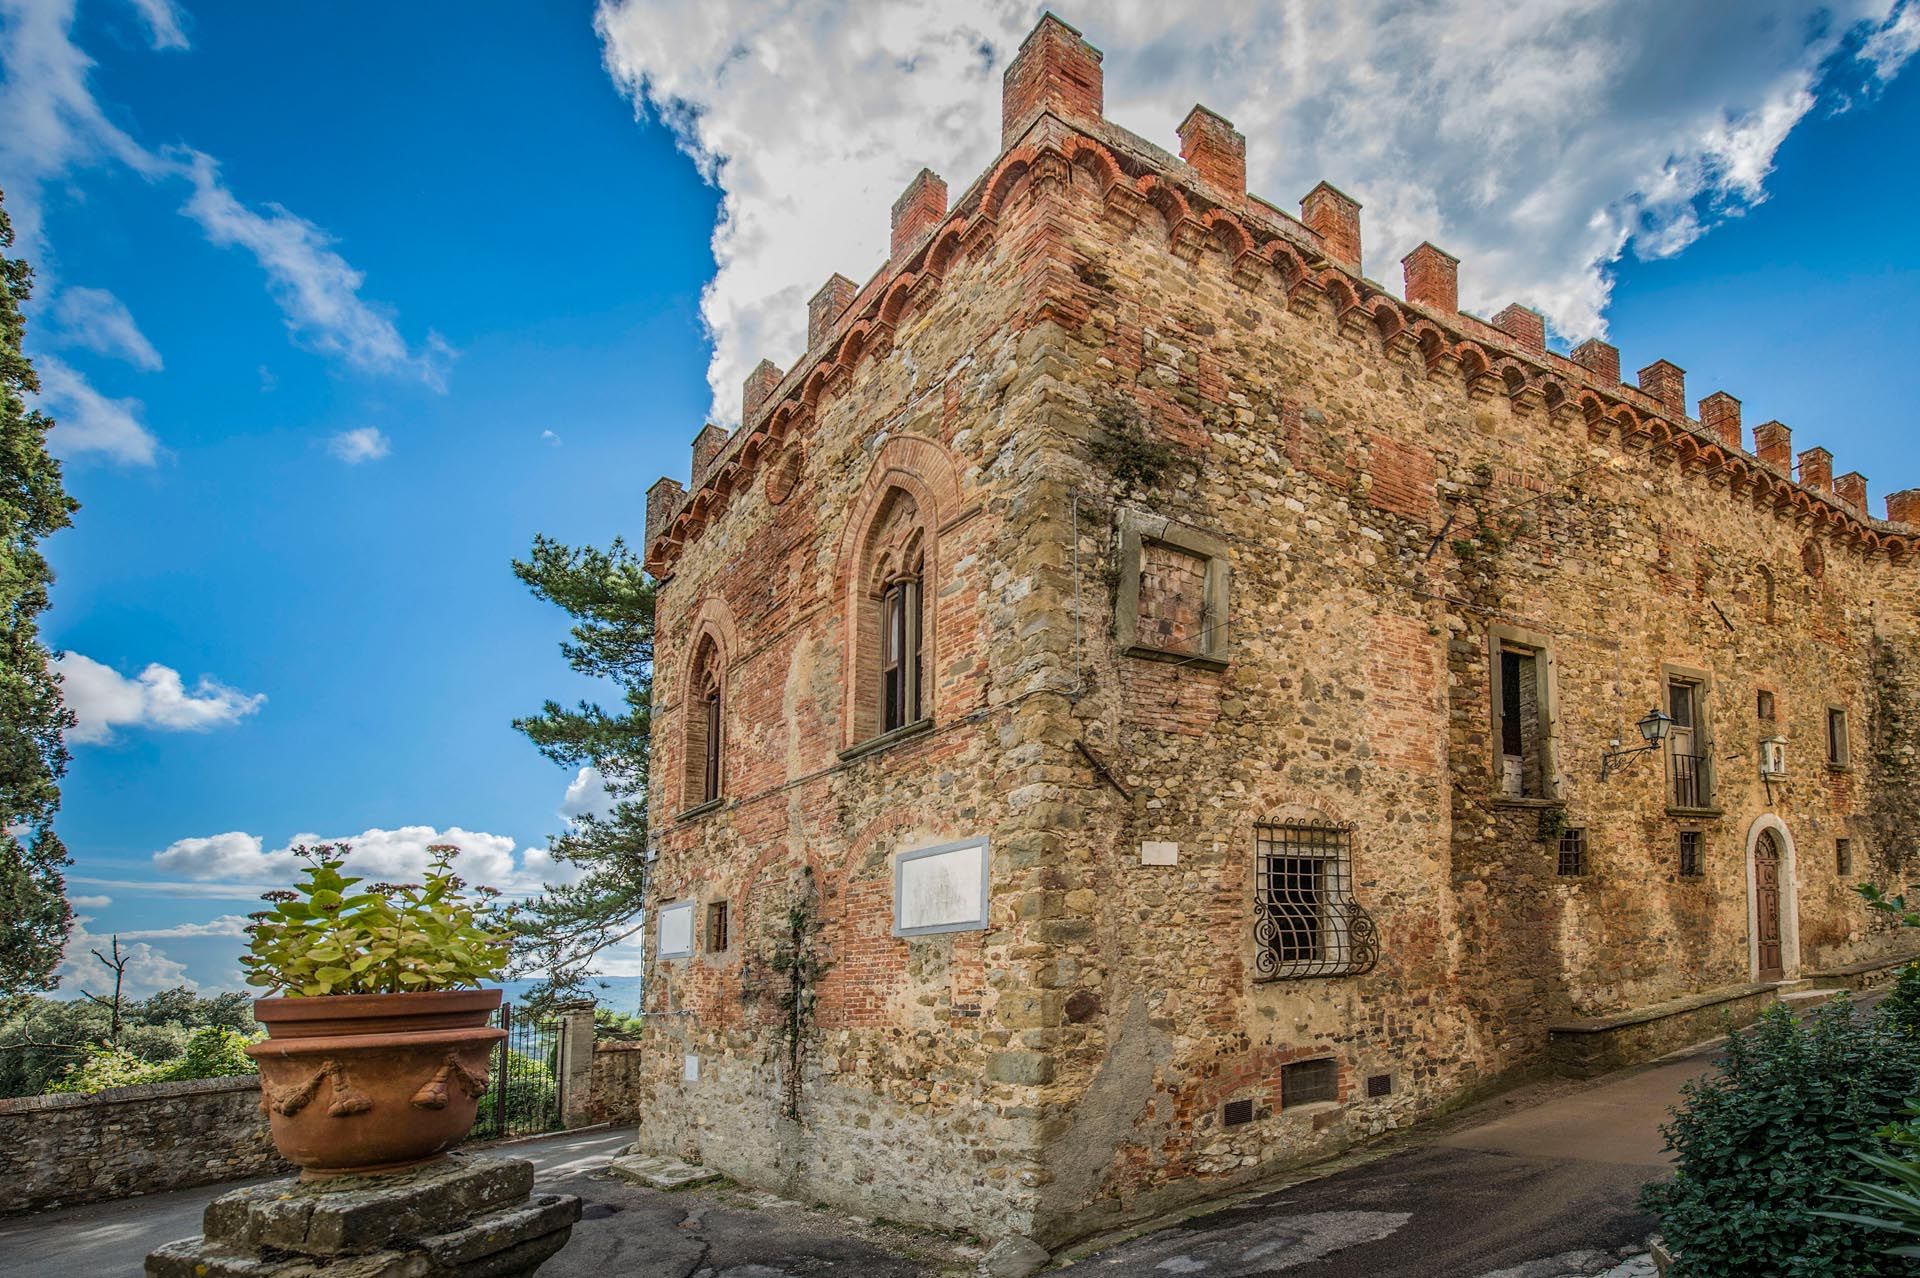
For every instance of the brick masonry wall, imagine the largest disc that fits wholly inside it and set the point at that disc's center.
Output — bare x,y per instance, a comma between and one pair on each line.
61,1150
1392,499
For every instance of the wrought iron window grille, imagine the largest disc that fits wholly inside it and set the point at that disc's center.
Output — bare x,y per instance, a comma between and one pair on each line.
1306,922
1573,853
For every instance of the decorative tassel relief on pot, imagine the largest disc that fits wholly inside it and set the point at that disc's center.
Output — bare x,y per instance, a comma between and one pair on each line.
292,1098
435,1093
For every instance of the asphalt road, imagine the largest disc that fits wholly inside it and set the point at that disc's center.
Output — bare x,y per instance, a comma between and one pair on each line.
1540,1184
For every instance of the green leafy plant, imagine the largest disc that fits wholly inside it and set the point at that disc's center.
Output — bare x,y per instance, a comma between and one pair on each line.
1896,907
324,938
1893,1204
1767,1137
213,1051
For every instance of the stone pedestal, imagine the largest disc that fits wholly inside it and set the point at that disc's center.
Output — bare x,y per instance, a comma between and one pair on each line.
467,1216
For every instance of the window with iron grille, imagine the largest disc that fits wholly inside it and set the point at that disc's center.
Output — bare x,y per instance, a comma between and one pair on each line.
1573,853
717,927
1691,861
1839,749
1306,922
1843,856
1309,1082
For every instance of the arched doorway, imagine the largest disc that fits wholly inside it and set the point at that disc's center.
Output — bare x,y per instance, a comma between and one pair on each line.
1773,936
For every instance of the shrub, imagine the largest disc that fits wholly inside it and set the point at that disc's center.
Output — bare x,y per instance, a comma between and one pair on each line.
1892,1202
212,1051
324,938
1764,1140
1901,1007
530,1090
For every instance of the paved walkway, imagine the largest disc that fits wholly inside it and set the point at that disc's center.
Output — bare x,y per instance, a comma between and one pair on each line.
1539,1184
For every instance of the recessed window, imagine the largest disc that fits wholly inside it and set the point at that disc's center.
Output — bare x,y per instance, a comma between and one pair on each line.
1573,854
1309,1083
1379,1085
1843,856
1763,705
1839,748
1692,857
900,652
717,923
1306,922
1689,770
1173,593
1236,1113
1523,716
705,726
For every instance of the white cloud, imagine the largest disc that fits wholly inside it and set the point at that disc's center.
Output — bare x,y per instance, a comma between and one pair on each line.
227,925
1538,142
550,439
361,444
89,902
587,794
398,854
163,22
85,421
55,126
318,291
103,699
99,321
179,888
149,970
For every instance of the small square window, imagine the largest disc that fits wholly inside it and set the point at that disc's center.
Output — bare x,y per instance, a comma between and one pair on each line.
1309,1082
1692,860
1235,1113
717,927
1173,593
1379,1085
1573,853
1843,857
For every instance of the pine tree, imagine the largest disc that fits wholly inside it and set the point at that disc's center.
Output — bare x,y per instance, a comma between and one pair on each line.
610,598
34,918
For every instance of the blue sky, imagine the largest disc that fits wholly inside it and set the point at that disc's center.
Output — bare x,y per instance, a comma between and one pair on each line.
444,279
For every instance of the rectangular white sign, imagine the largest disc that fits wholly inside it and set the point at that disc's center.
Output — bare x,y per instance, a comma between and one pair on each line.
940,889
676,931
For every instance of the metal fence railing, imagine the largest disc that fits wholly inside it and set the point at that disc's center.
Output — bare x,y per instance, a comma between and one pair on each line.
523,1095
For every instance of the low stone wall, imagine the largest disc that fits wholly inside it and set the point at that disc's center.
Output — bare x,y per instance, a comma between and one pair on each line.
1596,1044
59,1151
614,1091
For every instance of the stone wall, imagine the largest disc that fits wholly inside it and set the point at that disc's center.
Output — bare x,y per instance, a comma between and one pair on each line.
61,1150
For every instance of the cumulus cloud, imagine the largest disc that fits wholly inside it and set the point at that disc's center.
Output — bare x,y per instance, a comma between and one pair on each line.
361,444
55,127
1538,142
85,421
99,321
398,854
89,902
103,700
149,970
227,925
587,795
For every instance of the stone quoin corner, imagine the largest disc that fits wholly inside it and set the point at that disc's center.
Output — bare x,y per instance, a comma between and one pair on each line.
1132,697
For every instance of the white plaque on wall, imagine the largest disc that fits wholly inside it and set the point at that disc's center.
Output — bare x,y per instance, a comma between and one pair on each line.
1154,852
676,931
940,889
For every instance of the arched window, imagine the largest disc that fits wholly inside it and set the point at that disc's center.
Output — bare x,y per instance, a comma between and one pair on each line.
706,726
900,649
889,688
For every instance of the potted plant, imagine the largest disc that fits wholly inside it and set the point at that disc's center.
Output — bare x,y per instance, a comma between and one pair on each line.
378,1047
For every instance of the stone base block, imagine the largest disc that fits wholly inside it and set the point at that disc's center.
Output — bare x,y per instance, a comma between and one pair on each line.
467,1216
661,1173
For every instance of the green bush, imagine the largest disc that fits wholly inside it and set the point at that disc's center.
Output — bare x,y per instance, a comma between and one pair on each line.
212,1051
530,1091
1766,1139
1901,1007
1889,1204
41,1038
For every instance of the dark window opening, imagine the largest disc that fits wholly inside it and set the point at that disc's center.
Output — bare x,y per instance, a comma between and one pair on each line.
1692,861
710,785
1235,1113
1379,1085
1836,738
1843,856
1573,853
1690,778
1522,730
1309,1082
900,654
1763,706
717,927
1306,922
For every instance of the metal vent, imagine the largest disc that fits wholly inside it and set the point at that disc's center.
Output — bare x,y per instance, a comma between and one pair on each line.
1236,1112
1379,1085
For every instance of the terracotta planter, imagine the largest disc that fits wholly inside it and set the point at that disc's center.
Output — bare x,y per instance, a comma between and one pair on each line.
366,1083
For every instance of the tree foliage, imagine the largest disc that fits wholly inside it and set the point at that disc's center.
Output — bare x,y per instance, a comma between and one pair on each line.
1764,1142
610,598
34,918
42,1038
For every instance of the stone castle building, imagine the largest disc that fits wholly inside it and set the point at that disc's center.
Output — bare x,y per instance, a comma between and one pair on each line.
1134,701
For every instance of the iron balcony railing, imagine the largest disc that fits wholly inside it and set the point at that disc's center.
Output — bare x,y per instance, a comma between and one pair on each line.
1692,780
1306,922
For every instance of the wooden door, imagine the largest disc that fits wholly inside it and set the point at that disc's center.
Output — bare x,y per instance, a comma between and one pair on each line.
1766,890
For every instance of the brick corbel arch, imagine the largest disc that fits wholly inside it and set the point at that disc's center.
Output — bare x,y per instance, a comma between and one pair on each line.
924,473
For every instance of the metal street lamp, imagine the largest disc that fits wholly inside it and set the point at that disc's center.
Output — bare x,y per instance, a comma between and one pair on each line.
1654,727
